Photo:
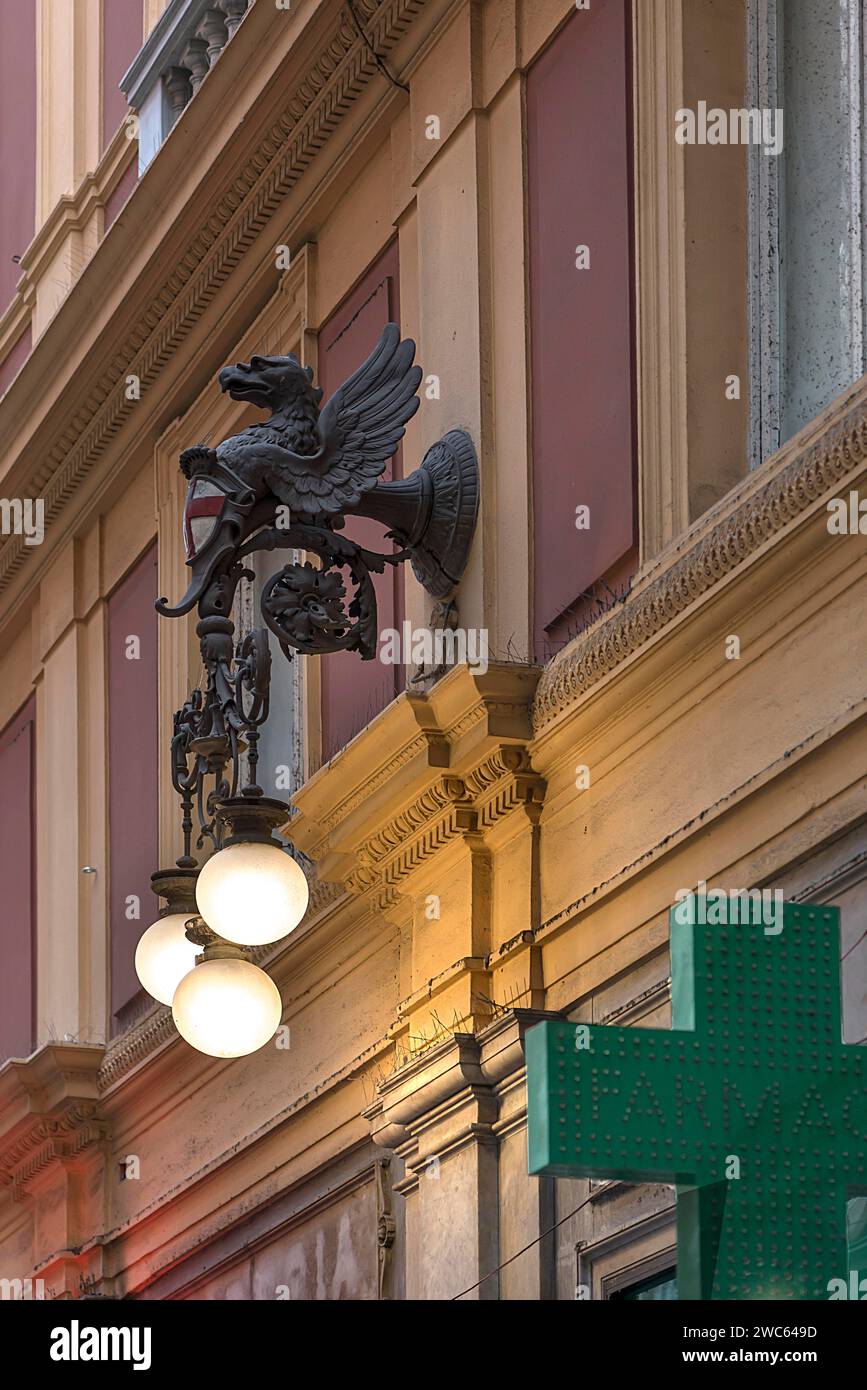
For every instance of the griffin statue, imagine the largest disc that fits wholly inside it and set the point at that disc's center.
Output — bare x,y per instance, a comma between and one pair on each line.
291,481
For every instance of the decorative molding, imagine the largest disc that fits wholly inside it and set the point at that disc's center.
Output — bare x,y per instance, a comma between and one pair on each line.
135,1045
452,807
386,1225
640,1004
49,1138
75,215
756,512
448,1094
635,1252
250,197
425,740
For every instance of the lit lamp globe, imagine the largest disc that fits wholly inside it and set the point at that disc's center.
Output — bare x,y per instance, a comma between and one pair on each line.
252,892
227,1007
164,954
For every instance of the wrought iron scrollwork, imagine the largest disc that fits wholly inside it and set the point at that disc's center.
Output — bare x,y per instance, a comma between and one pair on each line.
215,726
306,608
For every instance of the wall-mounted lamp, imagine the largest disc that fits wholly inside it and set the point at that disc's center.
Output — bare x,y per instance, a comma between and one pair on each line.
165,954
252,892
226,1006
286,483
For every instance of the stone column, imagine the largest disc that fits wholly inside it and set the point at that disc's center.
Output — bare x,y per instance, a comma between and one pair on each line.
195,59
234,10
213,30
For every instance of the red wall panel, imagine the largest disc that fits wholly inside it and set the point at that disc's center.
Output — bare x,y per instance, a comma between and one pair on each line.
353,691
17,138
122,33
18,877
579,156
133,772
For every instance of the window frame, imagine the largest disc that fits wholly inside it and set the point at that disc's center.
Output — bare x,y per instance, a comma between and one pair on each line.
632,1255
766,176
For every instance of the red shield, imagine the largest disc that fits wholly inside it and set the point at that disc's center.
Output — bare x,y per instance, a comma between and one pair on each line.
202,511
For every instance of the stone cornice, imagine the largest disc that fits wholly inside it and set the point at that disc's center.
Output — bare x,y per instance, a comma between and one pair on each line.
62,1136
49,1110
429,769
452,807
830,454
447,1096
139,1042
70,214
251,193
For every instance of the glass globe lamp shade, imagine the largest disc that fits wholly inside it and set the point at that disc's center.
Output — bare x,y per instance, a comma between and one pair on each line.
252,893
164,956
227,1008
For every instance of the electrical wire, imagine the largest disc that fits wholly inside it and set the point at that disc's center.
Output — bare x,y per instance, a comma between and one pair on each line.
377,57
517,1255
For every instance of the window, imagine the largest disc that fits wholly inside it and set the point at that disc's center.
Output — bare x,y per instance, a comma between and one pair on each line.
354,691
18,876
806,222
580,247
281,747
133,769
661,1288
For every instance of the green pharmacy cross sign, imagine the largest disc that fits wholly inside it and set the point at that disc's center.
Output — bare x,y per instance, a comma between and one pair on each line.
751,1104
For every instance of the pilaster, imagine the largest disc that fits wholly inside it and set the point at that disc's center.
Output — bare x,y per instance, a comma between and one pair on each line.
410,818
456,1117
52,1161
71,802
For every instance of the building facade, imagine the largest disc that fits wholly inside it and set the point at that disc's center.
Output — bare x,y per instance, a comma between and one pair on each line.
627,237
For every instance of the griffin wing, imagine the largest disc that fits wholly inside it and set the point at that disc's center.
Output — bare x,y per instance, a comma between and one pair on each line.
364,421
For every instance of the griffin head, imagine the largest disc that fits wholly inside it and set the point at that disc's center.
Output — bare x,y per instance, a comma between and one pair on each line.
321,463
271,382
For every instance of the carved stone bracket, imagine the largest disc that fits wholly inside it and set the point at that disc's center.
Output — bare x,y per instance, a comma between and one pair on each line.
454,806
48,1112
435,768
50,1139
